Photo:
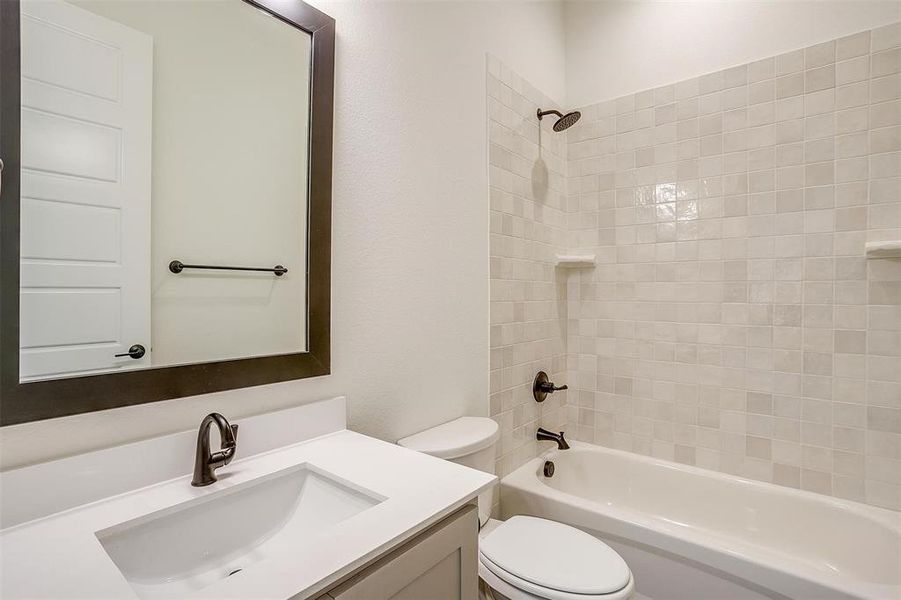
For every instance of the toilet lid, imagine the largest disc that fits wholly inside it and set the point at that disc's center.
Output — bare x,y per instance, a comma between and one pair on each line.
555,556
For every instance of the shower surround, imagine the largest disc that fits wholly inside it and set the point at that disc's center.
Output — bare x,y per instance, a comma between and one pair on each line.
732,320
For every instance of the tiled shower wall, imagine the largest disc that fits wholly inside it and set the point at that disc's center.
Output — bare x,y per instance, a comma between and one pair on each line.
732,321
528,229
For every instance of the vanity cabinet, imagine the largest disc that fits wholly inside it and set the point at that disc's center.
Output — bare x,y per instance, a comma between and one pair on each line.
439,564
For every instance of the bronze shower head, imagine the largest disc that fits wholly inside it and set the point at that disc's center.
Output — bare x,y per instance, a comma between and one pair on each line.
564,122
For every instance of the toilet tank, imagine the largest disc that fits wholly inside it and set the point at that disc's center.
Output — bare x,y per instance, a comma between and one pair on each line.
469,441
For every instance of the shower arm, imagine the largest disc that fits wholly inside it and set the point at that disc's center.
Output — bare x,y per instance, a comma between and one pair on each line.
544,113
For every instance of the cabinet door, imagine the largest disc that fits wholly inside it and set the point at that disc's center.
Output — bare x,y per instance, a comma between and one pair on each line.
439,564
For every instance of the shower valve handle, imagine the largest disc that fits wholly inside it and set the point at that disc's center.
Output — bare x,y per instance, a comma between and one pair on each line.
550,388
542,386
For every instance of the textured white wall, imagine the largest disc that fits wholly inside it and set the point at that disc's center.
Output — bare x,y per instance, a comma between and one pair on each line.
410,227
619,47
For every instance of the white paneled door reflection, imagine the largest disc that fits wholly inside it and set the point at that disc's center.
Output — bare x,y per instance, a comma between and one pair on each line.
85,225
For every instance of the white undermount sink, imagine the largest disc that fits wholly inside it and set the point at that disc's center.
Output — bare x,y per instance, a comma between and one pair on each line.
185,548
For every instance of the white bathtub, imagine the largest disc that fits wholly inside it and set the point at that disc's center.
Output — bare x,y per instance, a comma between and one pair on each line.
691,534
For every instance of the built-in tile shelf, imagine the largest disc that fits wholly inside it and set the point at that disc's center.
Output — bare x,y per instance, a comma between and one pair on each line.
575,261
890,249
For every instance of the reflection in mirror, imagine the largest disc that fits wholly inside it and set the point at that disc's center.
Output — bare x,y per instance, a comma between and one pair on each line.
156,131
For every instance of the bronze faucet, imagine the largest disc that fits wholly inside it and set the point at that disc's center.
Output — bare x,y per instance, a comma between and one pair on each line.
545,435
205,462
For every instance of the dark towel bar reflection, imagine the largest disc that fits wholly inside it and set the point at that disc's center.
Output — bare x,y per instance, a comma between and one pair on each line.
176,266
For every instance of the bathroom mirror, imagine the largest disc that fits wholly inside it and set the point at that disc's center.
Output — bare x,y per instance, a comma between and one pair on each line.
165,199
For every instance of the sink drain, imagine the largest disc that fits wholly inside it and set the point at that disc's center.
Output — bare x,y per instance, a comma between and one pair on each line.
238,570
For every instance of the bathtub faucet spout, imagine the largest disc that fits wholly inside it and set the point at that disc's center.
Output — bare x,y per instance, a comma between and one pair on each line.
545,435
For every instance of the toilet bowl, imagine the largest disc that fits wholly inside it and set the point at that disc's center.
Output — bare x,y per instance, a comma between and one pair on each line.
526,558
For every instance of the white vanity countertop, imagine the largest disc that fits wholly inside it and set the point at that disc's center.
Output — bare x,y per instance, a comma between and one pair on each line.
59,556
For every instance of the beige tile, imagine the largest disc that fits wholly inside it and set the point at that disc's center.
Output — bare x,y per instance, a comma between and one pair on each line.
822,78
687,89
887,318
885,495
886,139
848,219
822,173
710,103
853,342
817,363
793,84
885,114
762,91
886,88
851,120
852,95
851,170
735,98
787,475
886,62
758,447
824,125
790,62
759,403
712,82
884,419
817,103
644,99
816,481
665,114
790,108
885,165
887,343
848,464
735,77
852,46
664,95
888,36
852,70
852,145
819,55
761,69
819,150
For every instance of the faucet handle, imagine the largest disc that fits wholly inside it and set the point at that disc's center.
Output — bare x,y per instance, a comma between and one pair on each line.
542,386
228,447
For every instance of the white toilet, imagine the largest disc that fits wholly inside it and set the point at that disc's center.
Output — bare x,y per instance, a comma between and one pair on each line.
526,558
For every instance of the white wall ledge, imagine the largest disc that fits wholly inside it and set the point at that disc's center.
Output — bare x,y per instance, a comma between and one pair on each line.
888,249
575,261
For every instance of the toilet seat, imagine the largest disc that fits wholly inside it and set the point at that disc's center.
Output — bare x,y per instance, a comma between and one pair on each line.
552,561
519,592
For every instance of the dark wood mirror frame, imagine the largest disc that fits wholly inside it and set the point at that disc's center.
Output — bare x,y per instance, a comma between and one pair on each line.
23,402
